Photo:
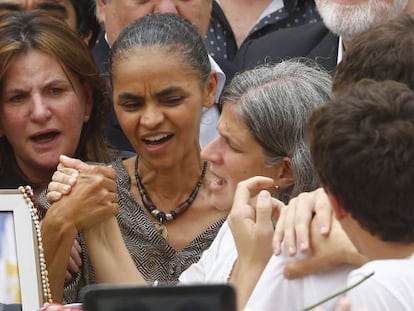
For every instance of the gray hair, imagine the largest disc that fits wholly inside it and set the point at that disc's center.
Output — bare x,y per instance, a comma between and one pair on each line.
169,32
276,102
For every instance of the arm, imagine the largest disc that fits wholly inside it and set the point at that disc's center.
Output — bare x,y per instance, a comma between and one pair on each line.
252,229
109,256
58,235
91,201
327,253
106,249
307,220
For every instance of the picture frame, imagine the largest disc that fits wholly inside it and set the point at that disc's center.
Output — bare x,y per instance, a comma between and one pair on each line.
13,203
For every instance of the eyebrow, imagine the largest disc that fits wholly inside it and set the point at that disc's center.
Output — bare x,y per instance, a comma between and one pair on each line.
9,7
165,92
130,96
57,6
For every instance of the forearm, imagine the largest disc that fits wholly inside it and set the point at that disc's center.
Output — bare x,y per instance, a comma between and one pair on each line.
245,278
109,256
58,235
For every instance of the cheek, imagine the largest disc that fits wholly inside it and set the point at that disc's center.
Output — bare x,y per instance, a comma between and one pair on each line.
223,200
126,120
10,121
242,171
71,113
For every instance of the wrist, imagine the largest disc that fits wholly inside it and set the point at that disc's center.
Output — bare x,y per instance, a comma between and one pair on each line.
57,223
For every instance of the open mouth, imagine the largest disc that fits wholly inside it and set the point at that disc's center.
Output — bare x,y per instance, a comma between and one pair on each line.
218,181
44,138
157,139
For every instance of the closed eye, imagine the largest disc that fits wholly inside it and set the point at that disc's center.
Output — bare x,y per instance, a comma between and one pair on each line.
16,98
56,91
130,105
172,100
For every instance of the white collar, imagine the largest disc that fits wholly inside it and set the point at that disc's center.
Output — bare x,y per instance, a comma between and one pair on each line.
221,77
340,51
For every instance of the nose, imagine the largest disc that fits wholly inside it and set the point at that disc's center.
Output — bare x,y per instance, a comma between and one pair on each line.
212,152
28,4
166,6
40,109
152,117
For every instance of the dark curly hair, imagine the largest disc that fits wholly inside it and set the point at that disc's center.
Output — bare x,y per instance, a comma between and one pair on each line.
362,145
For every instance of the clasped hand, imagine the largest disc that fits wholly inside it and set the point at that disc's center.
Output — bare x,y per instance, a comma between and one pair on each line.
84,195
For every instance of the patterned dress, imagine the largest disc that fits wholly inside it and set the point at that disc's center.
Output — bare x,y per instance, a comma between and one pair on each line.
153,256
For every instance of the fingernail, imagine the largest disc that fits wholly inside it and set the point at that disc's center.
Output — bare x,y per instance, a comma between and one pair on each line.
264,194
324,229
291,250
66,188
71,181
303,246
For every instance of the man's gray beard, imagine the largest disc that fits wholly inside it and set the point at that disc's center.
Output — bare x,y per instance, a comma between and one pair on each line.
350,20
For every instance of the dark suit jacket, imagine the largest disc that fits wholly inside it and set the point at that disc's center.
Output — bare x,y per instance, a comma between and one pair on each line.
312,41
114,133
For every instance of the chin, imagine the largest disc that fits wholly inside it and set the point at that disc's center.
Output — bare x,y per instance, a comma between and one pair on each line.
221,202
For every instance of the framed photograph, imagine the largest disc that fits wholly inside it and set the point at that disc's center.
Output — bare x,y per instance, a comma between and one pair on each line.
20,280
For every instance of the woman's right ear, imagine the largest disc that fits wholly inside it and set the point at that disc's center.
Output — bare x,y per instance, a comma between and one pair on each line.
210,90
100,10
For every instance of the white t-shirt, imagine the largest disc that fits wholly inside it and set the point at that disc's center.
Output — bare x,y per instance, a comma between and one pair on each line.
273,291
391,288
217,261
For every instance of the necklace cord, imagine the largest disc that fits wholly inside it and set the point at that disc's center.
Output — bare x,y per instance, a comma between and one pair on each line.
174,213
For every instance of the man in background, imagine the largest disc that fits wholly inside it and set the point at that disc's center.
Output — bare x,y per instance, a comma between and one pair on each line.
325,42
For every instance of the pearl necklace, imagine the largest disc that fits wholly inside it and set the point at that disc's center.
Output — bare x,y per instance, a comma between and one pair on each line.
173,214
27,192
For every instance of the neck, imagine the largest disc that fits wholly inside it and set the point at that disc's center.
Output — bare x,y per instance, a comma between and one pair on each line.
38,179
377,249
372,246
161,214
410,7
345,43
170,182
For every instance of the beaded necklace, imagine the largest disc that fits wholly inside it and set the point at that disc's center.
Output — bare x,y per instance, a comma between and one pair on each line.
27,192
173,214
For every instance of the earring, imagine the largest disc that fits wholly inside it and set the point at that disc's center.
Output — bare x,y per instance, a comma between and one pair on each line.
277,187
86,118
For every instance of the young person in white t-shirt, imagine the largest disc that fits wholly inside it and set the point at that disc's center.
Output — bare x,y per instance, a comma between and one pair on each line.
362,145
